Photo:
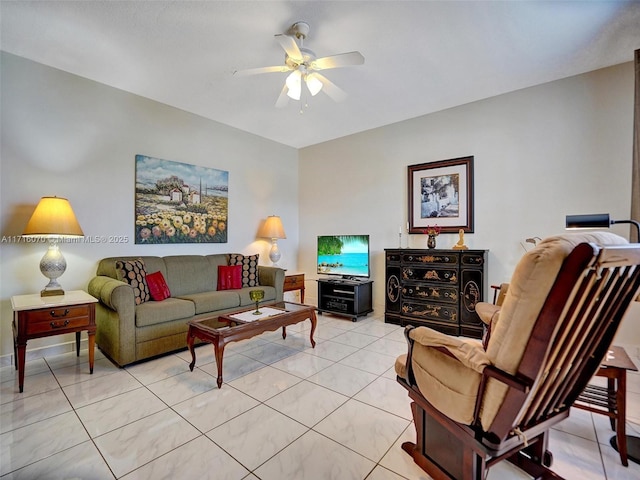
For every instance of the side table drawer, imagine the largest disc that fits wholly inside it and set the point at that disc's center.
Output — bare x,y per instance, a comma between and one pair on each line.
49,320
293,282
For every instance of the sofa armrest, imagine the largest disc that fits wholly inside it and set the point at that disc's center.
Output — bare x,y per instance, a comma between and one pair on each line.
115,318
272,277
113,293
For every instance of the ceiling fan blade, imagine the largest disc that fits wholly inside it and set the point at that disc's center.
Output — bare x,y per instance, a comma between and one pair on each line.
340,60
331,89
290,46
283,99
256,71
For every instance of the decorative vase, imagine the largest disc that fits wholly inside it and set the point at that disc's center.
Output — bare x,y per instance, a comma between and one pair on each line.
431,241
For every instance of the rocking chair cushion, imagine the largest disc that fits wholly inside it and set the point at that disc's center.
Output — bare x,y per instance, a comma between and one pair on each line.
450,384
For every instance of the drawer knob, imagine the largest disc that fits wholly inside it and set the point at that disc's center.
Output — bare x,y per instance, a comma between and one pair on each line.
59,324
63,314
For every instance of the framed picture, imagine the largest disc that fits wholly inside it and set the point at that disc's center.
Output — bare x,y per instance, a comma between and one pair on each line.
180,203
441,193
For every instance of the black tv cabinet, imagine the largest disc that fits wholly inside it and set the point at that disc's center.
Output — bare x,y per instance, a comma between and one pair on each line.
350,298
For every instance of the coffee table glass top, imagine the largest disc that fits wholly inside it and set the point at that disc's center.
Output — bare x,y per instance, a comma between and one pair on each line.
222,321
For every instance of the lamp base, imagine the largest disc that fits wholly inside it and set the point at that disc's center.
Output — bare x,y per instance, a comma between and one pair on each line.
52,266
274,254
51,293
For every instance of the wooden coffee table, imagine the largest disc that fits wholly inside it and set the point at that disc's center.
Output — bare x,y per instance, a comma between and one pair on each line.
208,330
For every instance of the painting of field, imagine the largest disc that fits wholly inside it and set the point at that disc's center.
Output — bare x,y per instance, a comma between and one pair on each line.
180,203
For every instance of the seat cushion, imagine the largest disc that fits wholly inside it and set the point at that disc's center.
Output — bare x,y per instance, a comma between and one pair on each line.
446,383
211,301
152,313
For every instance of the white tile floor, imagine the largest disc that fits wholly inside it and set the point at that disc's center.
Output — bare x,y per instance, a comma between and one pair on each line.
285,411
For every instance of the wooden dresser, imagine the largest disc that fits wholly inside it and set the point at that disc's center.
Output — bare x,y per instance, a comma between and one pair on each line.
436,288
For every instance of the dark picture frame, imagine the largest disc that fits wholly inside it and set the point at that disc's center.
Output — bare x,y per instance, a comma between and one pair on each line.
441,193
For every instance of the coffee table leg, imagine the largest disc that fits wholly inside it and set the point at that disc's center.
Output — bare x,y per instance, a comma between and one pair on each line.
191,349
314,321
219,351
284,332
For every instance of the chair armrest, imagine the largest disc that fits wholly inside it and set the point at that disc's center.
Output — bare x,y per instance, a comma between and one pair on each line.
520,384
469,353
487,311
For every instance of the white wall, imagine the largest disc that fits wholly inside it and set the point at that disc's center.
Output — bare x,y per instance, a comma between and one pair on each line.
540,153
67,136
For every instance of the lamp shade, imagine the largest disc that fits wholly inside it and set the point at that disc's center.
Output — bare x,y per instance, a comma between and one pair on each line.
272,228
294,84
53,217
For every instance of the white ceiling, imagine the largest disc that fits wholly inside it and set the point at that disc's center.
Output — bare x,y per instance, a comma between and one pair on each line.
420,56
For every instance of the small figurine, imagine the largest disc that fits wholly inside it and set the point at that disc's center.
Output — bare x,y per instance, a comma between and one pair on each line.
460,245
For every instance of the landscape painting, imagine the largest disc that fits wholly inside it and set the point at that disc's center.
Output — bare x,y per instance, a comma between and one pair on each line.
180,203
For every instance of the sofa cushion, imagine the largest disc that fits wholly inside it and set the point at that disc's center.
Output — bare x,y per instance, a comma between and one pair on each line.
205,302
134,273
229,277
249,268
158,288
152,313
187,274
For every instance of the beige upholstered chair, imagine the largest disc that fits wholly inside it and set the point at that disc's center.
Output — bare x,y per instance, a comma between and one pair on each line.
475,405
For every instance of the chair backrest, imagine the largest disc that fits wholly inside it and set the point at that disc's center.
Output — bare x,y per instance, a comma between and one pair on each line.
564,304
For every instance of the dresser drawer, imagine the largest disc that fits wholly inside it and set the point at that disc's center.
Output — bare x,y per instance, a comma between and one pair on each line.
446,276
430,311
430,292
50,320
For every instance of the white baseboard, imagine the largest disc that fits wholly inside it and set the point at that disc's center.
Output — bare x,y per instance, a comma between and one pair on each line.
48,351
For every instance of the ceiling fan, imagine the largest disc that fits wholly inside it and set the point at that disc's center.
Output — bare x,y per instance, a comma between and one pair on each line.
304,67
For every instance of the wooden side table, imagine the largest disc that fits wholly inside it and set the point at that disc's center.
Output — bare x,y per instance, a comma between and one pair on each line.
35,317
293,282
611,401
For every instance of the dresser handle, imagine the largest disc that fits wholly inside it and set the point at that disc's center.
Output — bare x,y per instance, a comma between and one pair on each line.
59,325
64,314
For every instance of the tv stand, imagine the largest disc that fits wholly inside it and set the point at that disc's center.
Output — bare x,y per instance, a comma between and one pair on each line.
349,298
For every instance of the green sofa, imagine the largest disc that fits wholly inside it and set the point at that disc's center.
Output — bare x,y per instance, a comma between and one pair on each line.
128,333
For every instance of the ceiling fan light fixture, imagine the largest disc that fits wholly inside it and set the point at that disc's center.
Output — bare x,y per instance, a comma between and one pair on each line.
313,84
294,84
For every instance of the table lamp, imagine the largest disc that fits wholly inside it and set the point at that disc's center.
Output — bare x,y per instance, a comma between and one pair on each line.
273,229
53,219
596,220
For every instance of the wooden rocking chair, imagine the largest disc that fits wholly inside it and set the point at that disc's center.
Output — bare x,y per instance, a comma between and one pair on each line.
474,407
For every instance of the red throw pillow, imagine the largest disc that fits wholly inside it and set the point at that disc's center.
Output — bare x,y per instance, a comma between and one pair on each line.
229,277
158,288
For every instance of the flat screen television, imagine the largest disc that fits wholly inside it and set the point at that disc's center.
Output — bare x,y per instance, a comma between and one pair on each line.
344,255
